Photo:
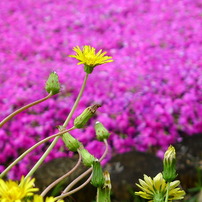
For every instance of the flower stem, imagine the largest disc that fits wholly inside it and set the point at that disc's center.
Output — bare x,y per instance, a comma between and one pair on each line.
76,180
40,161
86,172
167,192
24,108
76,102
74,190
62,177
30,149
106,150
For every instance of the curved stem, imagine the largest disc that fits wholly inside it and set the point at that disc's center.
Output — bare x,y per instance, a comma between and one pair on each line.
61,178
40,161
106,150
76,180
87,171
76,102
76,189
24,108
32,148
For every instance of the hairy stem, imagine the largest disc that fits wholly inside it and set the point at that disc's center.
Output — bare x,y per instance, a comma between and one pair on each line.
24,108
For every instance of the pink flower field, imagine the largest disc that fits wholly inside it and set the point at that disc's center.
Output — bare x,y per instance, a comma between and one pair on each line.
151,94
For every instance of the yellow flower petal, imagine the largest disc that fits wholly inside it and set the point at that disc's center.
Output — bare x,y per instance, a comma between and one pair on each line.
38,198
157,187
174,184
12,191
144,195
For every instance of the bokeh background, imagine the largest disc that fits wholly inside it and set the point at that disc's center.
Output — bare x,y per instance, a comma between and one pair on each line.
151,94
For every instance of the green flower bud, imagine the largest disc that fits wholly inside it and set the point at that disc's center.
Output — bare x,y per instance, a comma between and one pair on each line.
87,158
103,193
101,132
97,179
169,164
81,120
71,143
52,84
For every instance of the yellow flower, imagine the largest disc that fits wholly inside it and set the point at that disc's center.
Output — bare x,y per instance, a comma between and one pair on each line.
89,58
11,191
38,198
155,189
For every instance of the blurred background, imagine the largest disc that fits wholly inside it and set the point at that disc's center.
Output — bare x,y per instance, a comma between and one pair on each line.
151,94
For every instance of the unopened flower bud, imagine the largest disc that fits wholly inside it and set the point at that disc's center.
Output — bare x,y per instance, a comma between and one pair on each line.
87,158
71,143
97,179
81,120
169,164
104,192
52,84
101,132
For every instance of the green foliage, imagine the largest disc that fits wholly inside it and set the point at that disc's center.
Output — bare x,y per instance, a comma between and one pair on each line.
194,192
